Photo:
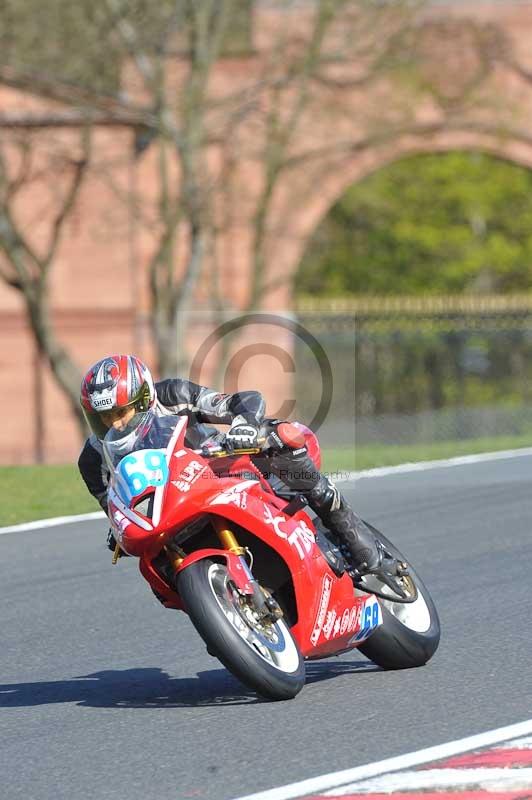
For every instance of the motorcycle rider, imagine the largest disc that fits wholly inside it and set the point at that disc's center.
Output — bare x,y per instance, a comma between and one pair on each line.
118,387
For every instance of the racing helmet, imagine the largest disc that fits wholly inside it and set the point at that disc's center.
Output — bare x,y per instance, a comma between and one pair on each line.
116,381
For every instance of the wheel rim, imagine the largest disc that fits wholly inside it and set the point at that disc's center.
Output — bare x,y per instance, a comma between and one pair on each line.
272,642
415,616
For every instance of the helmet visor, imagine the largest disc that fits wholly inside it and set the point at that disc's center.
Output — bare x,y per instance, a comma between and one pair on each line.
118,443
95,423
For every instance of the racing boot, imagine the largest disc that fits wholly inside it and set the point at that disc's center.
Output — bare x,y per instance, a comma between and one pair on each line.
356,541
349,530
296,470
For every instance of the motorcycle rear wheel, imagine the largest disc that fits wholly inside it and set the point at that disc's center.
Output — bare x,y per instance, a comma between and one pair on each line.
410,633
263,655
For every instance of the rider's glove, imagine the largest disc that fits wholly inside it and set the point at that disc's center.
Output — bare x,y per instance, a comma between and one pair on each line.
241,435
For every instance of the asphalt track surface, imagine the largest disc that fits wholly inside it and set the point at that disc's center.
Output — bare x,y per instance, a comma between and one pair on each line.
105,694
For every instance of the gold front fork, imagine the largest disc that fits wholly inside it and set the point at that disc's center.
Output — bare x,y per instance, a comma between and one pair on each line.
175,559
117,554
227,538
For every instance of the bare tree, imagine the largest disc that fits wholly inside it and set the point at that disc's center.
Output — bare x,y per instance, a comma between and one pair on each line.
26,260
161,76
164,56
316,61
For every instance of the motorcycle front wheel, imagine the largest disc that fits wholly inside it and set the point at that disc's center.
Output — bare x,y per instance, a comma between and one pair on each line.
410,633
259,652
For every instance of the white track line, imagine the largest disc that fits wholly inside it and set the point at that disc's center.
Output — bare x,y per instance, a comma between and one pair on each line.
340,476
421,466
49,523
323,783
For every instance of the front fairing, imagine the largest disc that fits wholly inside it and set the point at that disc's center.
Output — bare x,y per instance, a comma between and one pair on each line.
159,486
140,479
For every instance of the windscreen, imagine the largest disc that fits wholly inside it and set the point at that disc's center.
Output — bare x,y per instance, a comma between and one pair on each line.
137,456
145,432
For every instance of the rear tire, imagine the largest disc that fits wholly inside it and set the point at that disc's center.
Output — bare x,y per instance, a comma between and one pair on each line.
410,633
263,656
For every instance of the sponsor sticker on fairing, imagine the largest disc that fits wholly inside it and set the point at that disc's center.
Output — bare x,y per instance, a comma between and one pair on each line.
301,537
183,486
329,624
189,475
354,618
326,587
235,495
121,522
369,620
345,621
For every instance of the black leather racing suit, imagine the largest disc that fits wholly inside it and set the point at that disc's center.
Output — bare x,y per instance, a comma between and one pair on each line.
293,466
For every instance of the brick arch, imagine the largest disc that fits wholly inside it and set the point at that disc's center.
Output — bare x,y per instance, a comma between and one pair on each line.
289,251
472,50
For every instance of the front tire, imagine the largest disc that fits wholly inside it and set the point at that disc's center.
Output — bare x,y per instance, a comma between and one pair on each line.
410,633
262,655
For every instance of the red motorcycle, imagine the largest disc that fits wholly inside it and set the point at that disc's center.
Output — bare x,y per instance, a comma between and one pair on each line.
255,571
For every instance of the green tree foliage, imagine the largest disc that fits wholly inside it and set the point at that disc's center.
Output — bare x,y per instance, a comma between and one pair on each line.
427,224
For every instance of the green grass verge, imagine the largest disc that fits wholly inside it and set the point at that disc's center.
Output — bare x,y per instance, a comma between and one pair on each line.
367,456
39,492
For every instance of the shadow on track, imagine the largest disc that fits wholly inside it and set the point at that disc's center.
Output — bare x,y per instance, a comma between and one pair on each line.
150,687
328,668
147,687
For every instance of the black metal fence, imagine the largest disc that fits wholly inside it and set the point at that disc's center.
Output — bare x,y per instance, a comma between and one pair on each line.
413,370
